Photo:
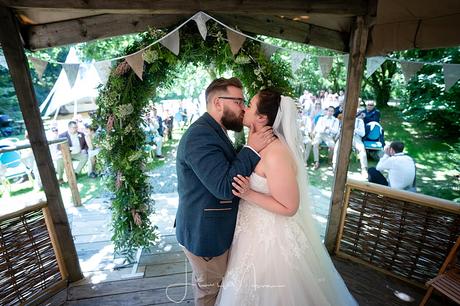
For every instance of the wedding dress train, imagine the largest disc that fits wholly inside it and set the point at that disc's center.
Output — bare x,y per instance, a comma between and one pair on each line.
274,261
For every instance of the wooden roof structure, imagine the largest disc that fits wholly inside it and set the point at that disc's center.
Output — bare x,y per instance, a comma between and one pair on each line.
358,27
394,24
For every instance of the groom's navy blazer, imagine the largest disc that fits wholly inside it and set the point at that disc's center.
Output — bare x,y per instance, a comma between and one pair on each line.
206,164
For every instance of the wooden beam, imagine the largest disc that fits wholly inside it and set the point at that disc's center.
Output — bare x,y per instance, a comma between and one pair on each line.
91,28
20,74
70,173
275,7
354,78
289,30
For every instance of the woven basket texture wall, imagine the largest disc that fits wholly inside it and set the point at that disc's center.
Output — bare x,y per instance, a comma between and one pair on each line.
27,261
406,239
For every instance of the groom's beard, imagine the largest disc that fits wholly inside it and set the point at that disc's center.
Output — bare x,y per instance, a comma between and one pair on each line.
231,121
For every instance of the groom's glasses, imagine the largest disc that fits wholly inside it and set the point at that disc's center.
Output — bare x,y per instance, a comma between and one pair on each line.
239,101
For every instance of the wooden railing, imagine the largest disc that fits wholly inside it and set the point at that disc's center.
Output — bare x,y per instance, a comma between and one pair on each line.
31,264
405,234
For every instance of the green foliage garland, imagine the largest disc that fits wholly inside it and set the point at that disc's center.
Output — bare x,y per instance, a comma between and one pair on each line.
124,99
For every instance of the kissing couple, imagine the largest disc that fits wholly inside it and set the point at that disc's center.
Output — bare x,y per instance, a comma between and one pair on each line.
244,219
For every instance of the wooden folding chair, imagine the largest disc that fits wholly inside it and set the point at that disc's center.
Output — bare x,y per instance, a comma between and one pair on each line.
447,281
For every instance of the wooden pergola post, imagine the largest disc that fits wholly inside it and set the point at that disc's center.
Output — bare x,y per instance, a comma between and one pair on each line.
354,77
11,43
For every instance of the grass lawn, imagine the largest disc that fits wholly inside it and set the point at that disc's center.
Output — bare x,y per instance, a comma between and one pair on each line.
438,160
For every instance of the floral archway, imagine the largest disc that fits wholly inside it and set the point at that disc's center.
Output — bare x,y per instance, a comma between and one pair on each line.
123,101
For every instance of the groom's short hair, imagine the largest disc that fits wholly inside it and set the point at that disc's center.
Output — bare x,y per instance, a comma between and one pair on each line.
221,84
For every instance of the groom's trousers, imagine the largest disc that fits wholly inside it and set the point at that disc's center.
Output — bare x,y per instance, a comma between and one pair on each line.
207,276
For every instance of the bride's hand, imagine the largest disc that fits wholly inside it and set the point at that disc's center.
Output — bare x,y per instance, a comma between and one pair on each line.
240,186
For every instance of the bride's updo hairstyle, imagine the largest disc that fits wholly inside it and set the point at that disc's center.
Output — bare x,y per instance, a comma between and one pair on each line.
269,103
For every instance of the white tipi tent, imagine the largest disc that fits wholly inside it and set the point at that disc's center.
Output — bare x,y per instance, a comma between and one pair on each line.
79,98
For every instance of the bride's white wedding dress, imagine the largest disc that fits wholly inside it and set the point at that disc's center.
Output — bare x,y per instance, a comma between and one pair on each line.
273,262
280,260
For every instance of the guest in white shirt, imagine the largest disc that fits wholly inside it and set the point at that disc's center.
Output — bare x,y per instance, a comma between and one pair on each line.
78,149
400,167
325,130
358,146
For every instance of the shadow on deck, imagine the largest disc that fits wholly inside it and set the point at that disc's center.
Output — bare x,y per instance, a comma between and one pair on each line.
162,271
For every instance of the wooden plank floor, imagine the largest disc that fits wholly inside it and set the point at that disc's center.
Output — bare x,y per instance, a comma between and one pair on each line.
164,270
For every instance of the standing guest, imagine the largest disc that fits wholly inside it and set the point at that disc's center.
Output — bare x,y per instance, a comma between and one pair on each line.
306,127
169,123
157,132
325,130
371,113
400,167
92,149
78,149
206,164
357,145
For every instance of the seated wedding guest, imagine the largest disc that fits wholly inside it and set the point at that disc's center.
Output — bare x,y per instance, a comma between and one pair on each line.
92,149
400,167
326,129
78,150
370,113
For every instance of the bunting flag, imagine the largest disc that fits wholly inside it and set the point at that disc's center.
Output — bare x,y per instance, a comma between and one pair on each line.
201,19
346,58
171,42
136,61
103,70
39,66
268,50
71,70
235,40
451,74
296,59
325,64
409,69
373,63
3,62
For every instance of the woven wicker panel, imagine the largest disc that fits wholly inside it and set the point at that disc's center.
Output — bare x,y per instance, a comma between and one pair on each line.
406,239
27,261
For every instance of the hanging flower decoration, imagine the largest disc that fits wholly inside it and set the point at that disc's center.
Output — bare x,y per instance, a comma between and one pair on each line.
124,99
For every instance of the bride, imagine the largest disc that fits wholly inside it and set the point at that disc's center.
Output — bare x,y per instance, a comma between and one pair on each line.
277,257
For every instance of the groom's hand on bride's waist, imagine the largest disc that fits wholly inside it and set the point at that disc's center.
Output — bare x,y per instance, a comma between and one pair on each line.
260,139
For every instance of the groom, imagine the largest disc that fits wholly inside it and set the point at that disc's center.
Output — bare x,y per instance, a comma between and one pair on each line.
206,164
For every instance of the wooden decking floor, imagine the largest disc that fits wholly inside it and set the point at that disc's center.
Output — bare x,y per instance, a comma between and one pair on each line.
167,272
163,271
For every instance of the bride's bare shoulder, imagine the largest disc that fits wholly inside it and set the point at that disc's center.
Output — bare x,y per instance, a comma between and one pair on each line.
277,152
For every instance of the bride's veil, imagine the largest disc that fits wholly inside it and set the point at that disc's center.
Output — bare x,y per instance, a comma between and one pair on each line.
287,129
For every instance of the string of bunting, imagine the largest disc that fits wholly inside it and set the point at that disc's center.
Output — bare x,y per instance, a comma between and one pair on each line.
236,39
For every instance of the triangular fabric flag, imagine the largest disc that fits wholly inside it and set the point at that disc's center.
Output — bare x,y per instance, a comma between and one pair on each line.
172,42
409,69
39,66
268,50
136,61
325,64
3,62
451,74
201,19
103,69
346,58
71,70
373,63
235,40
296,59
